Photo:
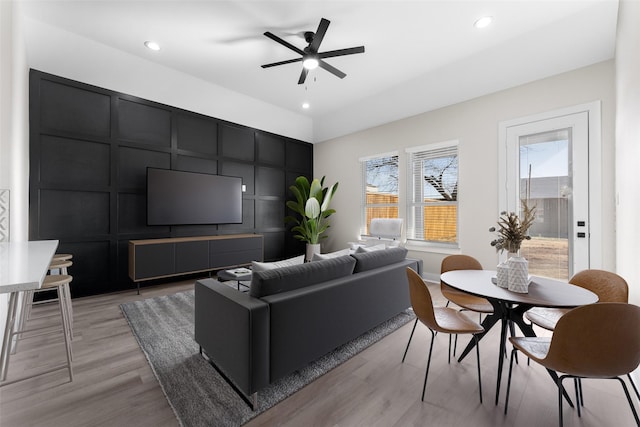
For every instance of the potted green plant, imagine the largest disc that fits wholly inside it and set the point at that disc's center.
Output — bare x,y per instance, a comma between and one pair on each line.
312,209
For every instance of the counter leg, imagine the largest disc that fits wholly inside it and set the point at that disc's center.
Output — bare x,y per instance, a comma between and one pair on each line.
8,335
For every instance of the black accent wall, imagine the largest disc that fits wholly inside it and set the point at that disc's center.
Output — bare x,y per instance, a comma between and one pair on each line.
89,151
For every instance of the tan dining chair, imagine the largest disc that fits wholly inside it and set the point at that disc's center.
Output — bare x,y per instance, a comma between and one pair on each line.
462,299
459,298
439,319
593,341
608,286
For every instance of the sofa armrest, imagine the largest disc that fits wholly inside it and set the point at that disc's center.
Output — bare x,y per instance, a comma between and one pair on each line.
233,330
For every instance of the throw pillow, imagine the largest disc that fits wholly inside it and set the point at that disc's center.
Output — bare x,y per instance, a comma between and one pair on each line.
318,257
375,259
264,266
264,283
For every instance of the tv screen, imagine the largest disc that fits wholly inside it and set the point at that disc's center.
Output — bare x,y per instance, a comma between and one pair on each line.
188,198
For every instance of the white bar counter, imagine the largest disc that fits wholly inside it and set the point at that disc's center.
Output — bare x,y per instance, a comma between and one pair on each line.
23,266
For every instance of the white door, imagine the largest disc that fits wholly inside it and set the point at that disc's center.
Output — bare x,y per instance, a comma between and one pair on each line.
546,161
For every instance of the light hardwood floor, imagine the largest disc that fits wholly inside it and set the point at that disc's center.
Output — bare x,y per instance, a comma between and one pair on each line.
114,385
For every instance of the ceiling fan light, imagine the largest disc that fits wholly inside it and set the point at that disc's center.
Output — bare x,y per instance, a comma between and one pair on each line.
310,63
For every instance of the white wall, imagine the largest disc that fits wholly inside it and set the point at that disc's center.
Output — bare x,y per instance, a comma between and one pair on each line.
65,54
14,127
628,145
475,124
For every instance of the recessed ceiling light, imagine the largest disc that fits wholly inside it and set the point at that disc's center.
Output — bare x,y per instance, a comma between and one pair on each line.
483,22
305,105
152,45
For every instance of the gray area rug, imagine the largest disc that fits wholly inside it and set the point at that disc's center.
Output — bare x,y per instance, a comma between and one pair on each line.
197,393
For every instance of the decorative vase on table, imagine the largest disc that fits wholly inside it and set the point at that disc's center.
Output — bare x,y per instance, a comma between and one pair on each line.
518,274
503,275
511,231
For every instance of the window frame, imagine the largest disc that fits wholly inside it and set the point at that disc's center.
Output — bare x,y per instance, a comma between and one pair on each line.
410,204
363,185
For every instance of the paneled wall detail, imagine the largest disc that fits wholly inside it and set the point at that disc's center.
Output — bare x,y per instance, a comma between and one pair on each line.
89,152
4,215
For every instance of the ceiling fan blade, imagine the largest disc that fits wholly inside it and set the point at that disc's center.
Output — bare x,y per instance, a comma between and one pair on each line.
283,42
274,64
340,52
319,35
303,76
333,70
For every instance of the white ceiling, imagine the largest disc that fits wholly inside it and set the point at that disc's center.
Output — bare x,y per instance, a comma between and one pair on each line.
420,55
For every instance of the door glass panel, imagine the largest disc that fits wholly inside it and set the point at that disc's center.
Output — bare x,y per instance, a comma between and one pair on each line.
546,182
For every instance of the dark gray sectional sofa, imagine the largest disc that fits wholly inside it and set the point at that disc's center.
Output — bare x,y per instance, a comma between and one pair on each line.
293,315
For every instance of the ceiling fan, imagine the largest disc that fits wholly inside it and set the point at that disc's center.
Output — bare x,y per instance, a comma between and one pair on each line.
310,56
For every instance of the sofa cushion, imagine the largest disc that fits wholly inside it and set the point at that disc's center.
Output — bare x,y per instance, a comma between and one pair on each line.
284,279
370,260
262,266
319,257
363,249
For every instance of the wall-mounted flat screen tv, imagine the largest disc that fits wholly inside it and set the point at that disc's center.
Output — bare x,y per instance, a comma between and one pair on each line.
188,198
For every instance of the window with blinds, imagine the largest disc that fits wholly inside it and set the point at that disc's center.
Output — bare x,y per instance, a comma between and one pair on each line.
379,188
432,200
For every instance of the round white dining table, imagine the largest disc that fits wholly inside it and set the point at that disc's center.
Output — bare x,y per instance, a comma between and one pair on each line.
509,307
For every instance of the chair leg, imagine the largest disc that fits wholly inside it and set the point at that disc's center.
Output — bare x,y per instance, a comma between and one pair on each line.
506,400
410,336
426,374
577,385
475,337
455,345
634,386
626,393
581,396
65,323
560,394
67,292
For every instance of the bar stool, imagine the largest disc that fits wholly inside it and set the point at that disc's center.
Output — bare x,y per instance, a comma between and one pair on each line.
58,283
62,264
62,257
56,264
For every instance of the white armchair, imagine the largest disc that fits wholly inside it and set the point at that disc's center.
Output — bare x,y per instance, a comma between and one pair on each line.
387,231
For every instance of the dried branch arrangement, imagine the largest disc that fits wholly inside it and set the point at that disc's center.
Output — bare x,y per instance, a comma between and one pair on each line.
512,230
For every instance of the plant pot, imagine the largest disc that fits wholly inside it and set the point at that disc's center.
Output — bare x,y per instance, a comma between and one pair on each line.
312,248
